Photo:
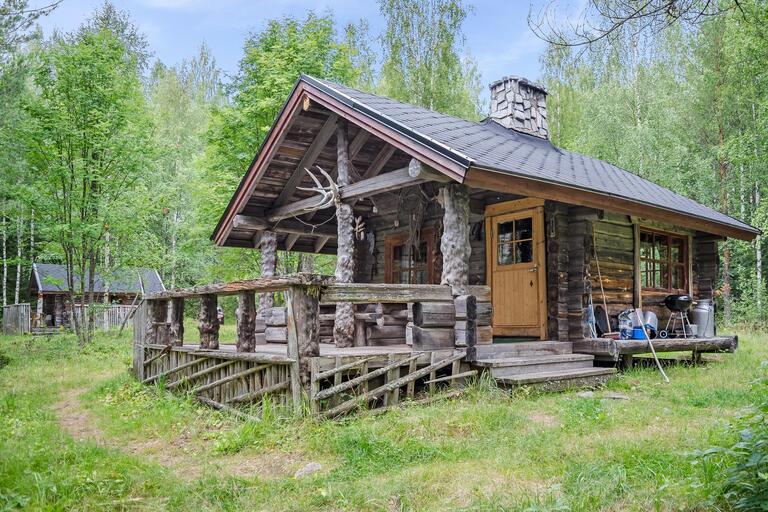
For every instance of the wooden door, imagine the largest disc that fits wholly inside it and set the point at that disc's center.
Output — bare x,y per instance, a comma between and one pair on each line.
517,275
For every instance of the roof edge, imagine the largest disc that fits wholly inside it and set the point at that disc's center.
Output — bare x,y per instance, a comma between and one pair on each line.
747,233
435,145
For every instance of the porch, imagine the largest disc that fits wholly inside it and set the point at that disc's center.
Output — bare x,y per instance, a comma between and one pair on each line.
441,351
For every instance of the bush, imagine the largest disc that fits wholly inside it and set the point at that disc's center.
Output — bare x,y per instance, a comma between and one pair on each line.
746,462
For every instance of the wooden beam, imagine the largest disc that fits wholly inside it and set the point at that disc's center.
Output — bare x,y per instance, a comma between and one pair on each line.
379,161
386,182
290,240
308,160
257,239
262,285
320,243
283,226
370,293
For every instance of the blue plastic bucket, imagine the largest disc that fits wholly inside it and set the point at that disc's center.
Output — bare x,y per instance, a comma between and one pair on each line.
637,333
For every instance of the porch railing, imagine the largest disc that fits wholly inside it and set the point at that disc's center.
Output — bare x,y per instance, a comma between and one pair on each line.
440,321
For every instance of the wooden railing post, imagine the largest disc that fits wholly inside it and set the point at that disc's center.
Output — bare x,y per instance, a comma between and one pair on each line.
150,332
208,322
303,322
177,322
139,339
159,313
246,322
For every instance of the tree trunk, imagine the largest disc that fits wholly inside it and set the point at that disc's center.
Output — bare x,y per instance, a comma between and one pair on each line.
19,235
344,325
268,266
208,322
454,243
105,298
246,322
31,237
759,261
5,262
174,230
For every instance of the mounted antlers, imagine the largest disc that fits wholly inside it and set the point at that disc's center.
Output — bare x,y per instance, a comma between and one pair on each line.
329,196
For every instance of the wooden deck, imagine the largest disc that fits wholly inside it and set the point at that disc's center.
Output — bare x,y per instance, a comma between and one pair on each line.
610,350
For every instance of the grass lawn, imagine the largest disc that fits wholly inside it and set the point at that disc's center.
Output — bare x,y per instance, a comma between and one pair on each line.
79,433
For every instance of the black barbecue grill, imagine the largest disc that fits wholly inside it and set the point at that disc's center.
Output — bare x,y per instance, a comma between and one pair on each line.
678,305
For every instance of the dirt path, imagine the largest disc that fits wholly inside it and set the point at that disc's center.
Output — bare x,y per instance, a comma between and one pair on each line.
188,458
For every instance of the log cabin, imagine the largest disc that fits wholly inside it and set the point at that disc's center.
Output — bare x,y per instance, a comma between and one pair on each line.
482,239
48,284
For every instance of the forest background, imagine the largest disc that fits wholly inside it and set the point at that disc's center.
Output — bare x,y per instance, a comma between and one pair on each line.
111,159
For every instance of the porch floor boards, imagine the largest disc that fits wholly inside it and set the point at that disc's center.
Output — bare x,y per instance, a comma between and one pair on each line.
612,351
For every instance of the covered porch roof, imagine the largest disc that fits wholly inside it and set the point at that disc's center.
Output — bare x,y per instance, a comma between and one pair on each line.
385,135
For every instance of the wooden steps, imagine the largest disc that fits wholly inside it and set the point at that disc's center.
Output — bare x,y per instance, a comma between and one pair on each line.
551,365
504,367
525,349
561,379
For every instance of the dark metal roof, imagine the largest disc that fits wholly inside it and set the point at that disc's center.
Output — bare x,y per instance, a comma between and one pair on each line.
488,145
50,277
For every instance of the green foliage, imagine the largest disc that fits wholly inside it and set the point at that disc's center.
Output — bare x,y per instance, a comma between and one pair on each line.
274,58
423,63
685,108
745,461
88,145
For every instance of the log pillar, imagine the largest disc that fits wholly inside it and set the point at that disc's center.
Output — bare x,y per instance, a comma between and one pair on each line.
40,313
158,313
303,323
344,324
177,322
454,243
268,246
208,322
246,322
58,310
150,333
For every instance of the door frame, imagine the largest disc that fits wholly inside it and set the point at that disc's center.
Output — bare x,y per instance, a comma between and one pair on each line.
536,207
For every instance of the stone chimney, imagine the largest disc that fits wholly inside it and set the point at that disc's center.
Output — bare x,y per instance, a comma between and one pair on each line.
521,105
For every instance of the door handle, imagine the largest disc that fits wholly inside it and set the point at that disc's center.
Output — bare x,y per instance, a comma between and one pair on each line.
534,269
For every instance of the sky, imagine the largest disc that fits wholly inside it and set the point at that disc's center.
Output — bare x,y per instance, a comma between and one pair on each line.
498,36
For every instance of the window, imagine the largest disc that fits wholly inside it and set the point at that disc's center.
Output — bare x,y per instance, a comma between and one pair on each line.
405,265
514,242
663,261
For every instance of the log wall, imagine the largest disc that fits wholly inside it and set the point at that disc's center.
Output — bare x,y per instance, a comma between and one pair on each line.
578,239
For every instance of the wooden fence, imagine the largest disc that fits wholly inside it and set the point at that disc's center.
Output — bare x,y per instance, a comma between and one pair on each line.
222,379
111,315
378,381
17,319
